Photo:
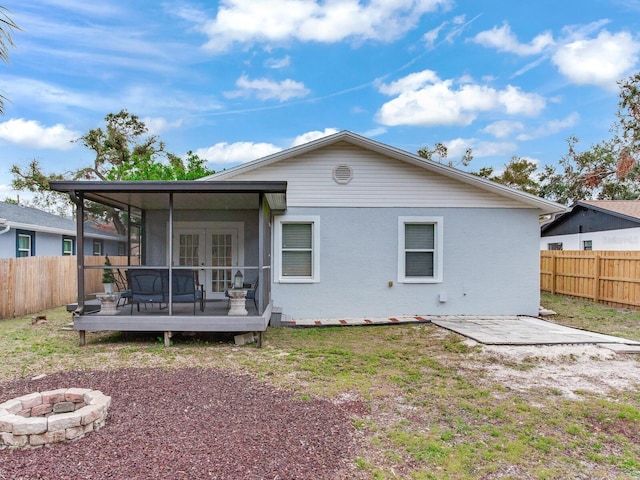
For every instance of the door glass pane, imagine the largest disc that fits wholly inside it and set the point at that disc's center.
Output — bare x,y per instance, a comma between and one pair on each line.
221,256
188,252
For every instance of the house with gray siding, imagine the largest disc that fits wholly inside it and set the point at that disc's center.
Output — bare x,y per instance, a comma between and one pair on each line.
27,232
370,230
342,226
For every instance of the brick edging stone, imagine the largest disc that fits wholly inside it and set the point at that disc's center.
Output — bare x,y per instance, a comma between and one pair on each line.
41,418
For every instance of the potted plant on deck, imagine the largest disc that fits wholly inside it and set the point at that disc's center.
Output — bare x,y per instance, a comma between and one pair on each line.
108,278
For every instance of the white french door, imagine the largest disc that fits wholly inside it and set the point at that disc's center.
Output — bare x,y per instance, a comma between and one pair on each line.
218,247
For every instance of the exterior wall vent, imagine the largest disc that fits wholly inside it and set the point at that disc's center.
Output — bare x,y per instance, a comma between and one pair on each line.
342,174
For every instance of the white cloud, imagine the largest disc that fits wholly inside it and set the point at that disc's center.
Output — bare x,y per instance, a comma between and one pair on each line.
279,21
157,125
374,132
598,61
278,62
31,133
423,99
432,35
266,89
457,147
313,135
238,152
551,127
504,40
242,152
503,128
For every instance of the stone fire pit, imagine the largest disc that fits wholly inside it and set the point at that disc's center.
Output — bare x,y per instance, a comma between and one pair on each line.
53,416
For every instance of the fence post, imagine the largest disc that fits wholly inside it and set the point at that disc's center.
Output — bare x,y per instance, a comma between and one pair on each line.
596,279
553,273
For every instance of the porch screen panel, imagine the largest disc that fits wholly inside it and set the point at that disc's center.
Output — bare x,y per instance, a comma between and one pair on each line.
419,250
221,256
297,249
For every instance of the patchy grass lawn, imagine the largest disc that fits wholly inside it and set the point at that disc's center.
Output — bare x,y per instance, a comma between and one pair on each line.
427,403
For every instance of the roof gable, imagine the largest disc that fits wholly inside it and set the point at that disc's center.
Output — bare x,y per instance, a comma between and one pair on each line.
595,216
264,168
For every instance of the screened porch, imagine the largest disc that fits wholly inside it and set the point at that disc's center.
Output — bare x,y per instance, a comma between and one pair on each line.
206,244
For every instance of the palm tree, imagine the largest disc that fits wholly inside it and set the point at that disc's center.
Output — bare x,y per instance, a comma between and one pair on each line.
6,27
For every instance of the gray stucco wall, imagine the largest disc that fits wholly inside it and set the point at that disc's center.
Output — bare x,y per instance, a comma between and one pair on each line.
491,265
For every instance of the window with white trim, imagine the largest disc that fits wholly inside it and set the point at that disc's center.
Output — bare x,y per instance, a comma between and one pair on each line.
97,247
25,243
68,246
297,248
420,249
587,245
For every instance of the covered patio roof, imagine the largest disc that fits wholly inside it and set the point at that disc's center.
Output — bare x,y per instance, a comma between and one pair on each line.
192,194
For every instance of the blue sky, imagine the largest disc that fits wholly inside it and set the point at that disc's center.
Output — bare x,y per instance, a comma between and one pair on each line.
239,79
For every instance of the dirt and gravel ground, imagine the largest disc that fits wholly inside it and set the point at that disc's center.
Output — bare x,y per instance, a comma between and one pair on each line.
191,424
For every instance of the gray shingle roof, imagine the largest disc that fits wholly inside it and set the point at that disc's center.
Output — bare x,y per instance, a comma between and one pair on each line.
37,218
19,216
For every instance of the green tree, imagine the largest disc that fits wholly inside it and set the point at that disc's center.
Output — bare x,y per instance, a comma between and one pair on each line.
440,154
7,26
122,150
519,173
609,169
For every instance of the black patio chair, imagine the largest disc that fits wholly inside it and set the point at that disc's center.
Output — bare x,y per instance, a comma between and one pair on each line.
123,288
185,288
147,287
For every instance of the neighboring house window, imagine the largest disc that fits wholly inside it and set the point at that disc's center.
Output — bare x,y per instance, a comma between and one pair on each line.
97,247
68,246
587,245
122,249
554,246
420,249
298,247
25,243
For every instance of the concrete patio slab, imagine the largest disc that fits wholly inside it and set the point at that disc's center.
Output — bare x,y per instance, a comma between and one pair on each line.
491,330
516,330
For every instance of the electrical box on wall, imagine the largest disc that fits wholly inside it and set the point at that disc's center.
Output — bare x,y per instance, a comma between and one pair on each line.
442,297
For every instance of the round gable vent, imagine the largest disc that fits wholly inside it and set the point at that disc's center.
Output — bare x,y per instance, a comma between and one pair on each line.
342,174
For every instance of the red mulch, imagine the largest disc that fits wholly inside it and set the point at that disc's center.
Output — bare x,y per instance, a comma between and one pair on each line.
191,424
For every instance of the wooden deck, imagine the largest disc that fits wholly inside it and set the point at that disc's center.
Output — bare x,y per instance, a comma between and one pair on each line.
214,318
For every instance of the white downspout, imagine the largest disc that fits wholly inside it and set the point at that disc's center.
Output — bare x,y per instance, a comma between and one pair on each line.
3,222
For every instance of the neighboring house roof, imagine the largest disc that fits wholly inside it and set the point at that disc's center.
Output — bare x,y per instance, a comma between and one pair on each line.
546,206
29,218
621,214
626,208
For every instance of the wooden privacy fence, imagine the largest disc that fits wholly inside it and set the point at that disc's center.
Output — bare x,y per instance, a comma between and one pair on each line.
32,284
609,277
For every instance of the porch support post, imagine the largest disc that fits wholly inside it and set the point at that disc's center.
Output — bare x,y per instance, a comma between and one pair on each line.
167,339
261,228
82,338
78,199
170,273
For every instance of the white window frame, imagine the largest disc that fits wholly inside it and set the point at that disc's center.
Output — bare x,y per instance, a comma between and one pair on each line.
27,250
98,251
69,252
314,220
438,248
